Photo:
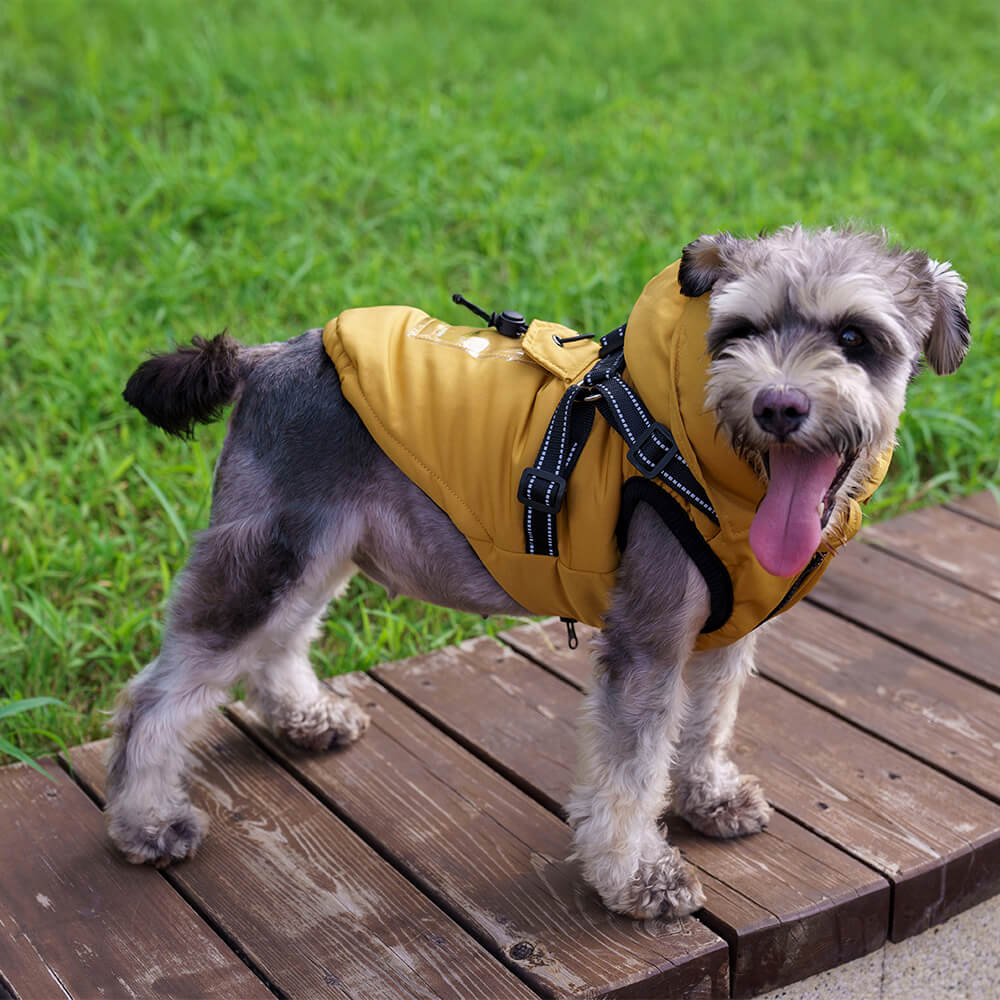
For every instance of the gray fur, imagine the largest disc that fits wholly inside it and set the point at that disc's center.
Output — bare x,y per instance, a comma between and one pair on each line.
303,497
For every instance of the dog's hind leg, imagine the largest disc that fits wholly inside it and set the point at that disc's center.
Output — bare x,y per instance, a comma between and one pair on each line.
245,606
709,791
629,727
283,688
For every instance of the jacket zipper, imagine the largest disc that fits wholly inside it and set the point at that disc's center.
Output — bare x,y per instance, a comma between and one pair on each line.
813,565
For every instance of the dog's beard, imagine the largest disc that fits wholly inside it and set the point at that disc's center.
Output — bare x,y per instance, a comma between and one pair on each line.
804,472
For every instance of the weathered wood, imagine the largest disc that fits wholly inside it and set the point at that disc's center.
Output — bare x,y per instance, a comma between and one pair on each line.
75,921
956,547
312,905
496,859
913,606
545,644
788,903
938,842
519,719
982,506
947,721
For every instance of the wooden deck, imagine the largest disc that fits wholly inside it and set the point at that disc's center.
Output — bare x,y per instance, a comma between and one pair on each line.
428,860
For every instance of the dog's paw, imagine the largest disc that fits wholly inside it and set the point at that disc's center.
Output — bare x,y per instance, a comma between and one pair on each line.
332,721
741,810
161,841
667,888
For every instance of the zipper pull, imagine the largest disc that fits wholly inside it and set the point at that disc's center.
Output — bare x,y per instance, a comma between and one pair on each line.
571,639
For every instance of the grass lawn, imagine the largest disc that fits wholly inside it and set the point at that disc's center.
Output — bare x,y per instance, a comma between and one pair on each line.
172,169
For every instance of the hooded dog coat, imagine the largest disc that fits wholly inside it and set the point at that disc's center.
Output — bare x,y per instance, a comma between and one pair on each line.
462,412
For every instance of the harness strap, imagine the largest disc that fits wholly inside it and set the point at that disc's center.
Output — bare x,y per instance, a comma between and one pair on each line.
652,449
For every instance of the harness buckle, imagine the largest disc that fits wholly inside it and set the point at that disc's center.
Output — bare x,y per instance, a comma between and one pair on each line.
649,466
535,490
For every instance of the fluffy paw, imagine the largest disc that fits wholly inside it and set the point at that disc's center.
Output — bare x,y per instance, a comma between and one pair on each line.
742,809
158,841
667,888
331,721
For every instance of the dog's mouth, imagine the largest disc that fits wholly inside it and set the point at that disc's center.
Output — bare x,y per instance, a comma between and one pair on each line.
789,522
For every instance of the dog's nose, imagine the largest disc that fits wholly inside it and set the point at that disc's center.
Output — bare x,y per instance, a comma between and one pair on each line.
780,411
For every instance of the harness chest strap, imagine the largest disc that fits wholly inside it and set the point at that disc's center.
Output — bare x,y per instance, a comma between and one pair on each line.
651,446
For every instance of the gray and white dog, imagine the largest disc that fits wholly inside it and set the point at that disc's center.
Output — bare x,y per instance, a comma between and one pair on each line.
836,320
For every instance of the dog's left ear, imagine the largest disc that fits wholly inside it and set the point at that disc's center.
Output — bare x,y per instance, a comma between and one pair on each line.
703,262
948,338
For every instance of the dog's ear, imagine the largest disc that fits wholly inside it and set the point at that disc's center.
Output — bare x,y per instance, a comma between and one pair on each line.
948,338
703,262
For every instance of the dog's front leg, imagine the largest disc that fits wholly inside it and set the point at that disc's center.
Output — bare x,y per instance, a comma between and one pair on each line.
629,728
709,791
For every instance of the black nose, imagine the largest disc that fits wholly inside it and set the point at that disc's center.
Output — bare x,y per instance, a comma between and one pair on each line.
780,411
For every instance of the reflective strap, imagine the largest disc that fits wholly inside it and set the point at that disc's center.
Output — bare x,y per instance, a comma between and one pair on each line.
652,449
651,446
543,485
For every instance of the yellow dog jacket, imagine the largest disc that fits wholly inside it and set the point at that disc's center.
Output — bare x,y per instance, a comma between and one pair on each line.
464,412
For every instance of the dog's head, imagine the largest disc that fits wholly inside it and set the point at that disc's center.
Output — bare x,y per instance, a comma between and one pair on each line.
814,337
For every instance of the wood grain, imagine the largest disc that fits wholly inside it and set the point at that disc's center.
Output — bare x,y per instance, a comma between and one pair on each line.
938,842
947,721
958,548
788,903
312,905
982,506
913,606
545,643
76,921
497,860
935,840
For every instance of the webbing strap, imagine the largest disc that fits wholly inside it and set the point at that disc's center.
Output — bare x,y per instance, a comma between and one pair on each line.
652,449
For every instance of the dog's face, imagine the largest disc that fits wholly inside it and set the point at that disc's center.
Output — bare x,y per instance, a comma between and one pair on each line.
814,337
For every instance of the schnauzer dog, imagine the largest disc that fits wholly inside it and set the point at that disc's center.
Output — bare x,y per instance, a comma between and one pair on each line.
813,339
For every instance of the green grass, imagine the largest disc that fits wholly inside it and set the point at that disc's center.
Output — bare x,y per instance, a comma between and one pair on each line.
172,169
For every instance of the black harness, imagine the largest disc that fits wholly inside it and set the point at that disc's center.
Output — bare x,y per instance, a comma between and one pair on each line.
651,449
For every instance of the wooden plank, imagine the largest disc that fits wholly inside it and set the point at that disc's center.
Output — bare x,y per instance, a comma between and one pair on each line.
915,607
312,905
956,547
77,922
983,506
788,903
545,644
947,721
496,858
936,841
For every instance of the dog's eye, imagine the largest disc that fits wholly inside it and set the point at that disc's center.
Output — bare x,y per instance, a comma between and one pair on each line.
850,339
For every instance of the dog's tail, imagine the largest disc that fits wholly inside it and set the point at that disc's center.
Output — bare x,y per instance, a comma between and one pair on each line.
191,385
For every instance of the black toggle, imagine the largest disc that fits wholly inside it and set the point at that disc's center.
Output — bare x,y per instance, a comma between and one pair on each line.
509,323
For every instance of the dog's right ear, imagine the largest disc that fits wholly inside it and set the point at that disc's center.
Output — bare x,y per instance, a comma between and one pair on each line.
703,262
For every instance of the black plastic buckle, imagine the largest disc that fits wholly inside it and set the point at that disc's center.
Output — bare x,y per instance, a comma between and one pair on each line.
527,489
640,459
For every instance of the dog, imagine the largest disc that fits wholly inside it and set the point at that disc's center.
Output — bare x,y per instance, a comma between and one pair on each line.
812,340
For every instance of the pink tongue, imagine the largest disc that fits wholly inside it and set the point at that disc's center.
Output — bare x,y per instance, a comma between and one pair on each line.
786,529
